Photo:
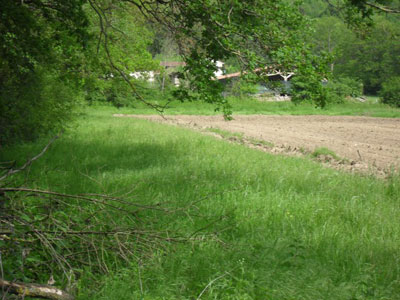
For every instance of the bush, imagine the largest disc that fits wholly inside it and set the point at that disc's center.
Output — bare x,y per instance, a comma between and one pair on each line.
117,92
309,89
241,88
390,93
334,91
37,104
345,87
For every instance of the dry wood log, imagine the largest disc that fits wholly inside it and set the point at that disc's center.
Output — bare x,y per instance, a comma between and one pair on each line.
34,290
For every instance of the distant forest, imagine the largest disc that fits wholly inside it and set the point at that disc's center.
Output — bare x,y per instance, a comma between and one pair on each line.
370,54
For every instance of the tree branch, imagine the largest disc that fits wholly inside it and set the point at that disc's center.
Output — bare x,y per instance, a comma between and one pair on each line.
35,290
383,8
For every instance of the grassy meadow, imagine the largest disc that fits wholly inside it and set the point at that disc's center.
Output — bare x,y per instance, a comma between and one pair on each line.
247,105
260,226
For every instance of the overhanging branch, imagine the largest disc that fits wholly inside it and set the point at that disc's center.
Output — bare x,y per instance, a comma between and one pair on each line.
383,8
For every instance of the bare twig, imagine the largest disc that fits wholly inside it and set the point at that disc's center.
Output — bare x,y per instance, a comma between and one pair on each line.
48,227
94,200
30,161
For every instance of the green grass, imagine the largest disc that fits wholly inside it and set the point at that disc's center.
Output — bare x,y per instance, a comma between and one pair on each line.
287,227
239,137
371,108
324,151
261,143
226,134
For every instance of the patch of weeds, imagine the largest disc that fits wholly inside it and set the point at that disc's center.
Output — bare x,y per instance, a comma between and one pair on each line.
393,183
236,136
239,137
303,150
324,153
260,143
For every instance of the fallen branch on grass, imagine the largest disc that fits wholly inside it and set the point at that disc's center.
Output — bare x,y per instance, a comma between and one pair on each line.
43,232
34,290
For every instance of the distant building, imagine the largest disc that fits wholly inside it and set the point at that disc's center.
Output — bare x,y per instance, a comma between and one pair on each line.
272,75
172,64
174,76
148,75
220,71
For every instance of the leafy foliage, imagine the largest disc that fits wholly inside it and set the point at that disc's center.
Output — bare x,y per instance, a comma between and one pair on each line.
344,87
40,57
373,59
368,53
390,93
66,44
120,43
260,35
307,85
241,88
42,104
309,89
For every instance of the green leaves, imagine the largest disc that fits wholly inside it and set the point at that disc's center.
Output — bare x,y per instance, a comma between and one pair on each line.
41,47
390,93
259,36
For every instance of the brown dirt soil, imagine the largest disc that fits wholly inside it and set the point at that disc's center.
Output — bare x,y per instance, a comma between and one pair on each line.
366,144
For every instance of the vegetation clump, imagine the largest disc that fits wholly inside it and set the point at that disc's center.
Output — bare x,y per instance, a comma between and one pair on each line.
390,93
325,153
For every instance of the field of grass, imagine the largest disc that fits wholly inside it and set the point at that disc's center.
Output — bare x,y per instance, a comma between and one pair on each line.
371,108
273,227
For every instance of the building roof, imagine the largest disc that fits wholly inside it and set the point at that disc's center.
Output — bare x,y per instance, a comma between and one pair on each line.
285,76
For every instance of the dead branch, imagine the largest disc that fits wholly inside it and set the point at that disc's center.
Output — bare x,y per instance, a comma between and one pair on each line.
46,226
35,290
89,199
30,161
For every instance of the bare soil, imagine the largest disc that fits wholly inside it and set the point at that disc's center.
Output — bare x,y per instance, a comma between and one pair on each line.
365,144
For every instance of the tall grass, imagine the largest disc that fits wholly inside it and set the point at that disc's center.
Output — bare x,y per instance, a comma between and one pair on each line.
371,108
285,227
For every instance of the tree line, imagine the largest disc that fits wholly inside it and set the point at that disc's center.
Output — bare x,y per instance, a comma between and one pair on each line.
369,54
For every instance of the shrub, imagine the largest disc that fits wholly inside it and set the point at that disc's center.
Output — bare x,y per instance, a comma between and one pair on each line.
241,88
390,93
34,105
309,89
115,91
322,151
334,91
343,87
